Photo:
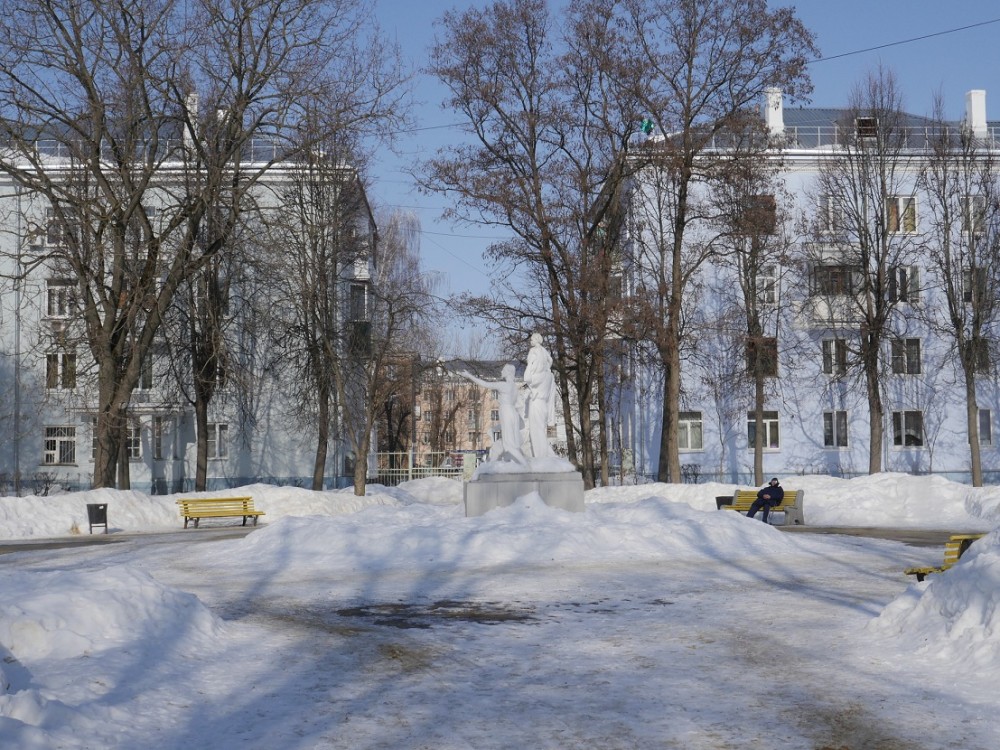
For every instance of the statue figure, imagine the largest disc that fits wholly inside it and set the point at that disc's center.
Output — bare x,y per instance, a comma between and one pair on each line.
509,444
541,407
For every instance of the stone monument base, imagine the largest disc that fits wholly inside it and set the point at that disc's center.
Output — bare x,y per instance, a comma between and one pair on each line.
562,489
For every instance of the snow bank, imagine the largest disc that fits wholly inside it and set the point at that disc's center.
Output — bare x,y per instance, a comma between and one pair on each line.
953,616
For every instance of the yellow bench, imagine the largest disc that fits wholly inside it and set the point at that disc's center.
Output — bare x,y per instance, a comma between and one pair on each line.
196,508
954,548
790,505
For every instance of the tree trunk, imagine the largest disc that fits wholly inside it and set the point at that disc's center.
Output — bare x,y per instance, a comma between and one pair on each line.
322,441
758,418
201,446
876,417
972,415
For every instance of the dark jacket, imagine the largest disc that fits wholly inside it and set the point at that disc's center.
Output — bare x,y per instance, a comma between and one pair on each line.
775,494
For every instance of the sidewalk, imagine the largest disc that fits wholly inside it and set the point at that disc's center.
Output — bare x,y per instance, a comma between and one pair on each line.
203,534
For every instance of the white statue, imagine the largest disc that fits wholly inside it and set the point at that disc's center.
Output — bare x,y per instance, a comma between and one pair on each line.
541,406
509,444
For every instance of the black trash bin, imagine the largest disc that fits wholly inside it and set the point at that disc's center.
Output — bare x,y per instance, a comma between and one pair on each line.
97,515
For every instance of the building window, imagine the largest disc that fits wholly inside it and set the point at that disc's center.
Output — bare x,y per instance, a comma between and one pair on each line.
770,428
835,429
901,214
866,127
133,442
762,356
218,440
494,415
757,217
60,298
978,355
973,214
57,231
159,429
60,370
834,356
767,284
834,280
908,428
496,435
831,215
474,439
985,427
906,356
428,415
974,285
358,302
904,285
425,438
689,431
60,446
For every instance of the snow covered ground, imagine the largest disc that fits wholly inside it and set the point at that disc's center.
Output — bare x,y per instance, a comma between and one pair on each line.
392,621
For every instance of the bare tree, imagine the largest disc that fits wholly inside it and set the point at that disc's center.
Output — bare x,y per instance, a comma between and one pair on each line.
400,308
861,267
754,247
114,112
697,68
962,245
548,129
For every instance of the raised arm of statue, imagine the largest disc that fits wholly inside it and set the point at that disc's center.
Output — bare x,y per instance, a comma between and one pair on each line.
510,418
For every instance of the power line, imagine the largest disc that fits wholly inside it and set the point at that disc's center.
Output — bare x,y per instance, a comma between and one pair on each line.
905,41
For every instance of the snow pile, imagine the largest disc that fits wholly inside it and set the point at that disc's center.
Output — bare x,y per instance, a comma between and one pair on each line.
954,616
64,515
70,637
525,533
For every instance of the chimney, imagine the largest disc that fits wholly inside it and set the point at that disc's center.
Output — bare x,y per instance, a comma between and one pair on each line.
773,115
975,112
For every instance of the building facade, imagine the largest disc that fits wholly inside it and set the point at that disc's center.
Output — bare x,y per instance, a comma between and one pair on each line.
257,427
857,233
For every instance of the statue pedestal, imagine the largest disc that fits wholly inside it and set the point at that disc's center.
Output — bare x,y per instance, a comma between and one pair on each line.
563,489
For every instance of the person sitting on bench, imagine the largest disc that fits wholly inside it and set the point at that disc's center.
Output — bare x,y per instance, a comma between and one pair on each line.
767,498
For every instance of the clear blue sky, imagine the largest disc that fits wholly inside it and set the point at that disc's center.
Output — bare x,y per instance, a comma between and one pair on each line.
952,63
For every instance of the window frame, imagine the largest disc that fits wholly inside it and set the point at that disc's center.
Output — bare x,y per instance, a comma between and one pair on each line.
60,299
985,428
60,370
905,355
902,427
133,442
834,354
973,210
836,429
218,441
834,279
689,425
771,425
901,214
766,353
57,439
904,284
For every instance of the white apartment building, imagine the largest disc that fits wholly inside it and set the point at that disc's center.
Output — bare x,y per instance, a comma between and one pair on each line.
816,416
48,394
